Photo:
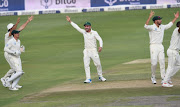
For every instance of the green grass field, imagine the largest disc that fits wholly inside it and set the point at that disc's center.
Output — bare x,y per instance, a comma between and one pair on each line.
54,56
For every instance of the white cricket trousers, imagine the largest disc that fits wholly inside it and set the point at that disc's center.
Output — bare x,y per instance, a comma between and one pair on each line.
15,63
157,53
173,64
11,71
88,55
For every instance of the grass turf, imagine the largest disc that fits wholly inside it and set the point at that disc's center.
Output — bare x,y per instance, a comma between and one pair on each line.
54,52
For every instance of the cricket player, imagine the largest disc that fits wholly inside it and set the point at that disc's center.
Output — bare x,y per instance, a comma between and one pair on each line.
173,57
8,37
13,49
90,51
156,34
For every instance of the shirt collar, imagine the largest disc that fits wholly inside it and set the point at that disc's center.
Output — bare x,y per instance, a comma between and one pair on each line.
15,39
156,26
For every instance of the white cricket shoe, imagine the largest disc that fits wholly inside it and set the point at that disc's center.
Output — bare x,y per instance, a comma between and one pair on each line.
170,82
13,89
153,79
167,85
18,86
87,81
3,82
102,79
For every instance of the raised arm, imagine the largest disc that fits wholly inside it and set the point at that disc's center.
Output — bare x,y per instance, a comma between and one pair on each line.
175,16
100,42
74,25
15,26
147,26
150,16
169,25
25,24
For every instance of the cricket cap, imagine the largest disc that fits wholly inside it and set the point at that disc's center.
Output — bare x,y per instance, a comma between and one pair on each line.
156,18
15,32
10,25
87,23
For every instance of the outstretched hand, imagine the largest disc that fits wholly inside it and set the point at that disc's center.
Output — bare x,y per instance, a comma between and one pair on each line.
25,24
30,18
176,15
151,13
68,18
18,20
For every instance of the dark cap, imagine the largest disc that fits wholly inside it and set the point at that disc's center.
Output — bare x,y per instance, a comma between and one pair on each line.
156,18
15,32
87,23
178,24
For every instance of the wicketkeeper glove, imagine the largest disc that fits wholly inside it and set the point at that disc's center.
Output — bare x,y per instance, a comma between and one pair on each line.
22,48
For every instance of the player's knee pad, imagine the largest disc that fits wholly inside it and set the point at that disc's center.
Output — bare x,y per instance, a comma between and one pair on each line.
16,75
11,71
162,63
86,65
98,65
153,62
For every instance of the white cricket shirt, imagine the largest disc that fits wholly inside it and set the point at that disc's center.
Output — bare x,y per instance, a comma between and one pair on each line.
89,37
175,40
7,37
12,46
156,34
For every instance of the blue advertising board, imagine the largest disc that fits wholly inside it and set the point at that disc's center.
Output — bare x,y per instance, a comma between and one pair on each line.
97,3
11,5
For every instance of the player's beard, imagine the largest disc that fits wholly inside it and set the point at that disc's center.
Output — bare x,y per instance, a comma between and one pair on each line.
87,29
159,23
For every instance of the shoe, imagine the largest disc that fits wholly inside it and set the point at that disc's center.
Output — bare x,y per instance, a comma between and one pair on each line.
13,89
18,86
102,79
153,80
170,82
167,85
87,81
3,82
